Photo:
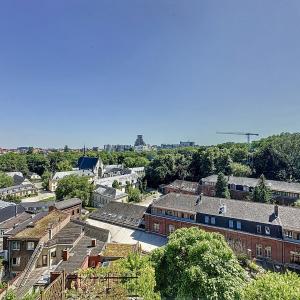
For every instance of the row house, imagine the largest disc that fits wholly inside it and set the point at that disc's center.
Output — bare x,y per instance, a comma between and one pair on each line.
18,191
240,188
264,231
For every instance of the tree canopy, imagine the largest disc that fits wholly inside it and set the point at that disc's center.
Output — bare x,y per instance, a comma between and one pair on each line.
5,180
272,286
222,190
197,265
74,186
262,193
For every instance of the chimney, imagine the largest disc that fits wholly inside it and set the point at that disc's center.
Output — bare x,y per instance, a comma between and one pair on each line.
94,242
65,255
276,210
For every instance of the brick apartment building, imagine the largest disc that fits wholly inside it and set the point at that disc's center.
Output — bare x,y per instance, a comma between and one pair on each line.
183,187
71,206
265,231
241,187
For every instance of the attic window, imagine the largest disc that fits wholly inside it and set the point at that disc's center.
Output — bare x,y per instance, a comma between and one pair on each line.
267,230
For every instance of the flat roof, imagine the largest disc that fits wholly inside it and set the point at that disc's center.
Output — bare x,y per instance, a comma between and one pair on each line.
119,250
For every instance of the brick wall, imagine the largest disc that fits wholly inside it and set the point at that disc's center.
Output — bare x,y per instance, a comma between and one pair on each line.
239,241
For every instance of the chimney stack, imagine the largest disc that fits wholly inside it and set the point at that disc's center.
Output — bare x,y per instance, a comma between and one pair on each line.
276,210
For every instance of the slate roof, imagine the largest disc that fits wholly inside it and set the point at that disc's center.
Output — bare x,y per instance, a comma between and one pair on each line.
10,211
181,202
67,235
39,205
281,186
17,188
183,185
109,192
289,217
129,215
67,203
78,254
60,175
14,220
87,163
4,204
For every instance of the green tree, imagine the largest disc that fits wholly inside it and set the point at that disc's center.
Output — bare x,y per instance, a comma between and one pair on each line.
10,295
37,163
5,180
45,180
222,187
240,170
197,265
271,286
134,194
13,162
116,184
64,165
262,193
74,186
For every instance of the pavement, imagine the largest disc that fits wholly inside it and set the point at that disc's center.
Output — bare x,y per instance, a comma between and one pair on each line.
40,197
120,234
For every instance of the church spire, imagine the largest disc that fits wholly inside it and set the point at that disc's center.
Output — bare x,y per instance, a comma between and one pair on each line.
84,150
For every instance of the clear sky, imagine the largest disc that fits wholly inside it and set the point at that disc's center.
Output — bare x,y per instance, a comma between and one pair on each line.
103,71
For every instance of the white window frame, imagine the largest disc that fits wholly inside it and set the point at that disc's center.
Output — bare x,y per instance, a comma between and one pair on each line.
171,228
268,252
15,243
267,230
18,261
30,243
156,227
213,220
259,249
258,228
238,225
230,223
206,219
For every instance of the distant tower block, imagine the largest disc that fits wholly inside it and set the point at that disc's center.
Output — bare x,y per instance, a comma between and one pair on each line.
139,141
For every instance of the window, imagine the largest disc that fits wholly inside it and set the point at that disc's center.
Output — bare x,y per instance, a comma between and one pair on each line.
213,220
238,225
16,261
156,227
230,224
73,212
259,250
171,228
295,257
267,230
15,245
206,219
78,210
288,234
258,228
268,252
30,245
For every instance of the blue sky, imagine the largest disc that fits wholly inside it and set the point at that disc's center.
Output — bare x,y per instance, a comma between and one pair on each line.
103,71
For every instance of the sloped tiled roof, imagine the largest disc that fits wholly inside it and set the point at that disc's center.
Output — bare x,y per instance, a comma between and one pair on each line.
281,186
184,185
87,163
67,203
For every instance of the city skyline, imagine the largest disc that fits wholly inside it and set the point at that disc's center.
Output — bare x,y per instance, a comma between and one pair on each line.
102,72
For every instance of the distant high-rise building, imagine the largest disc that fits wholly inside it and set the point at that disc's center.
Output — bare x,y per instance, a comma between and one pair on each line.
139,141
187,144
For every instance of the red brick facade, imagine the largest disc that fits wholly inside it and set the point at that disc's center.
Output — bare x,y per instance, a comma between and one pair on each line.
239,241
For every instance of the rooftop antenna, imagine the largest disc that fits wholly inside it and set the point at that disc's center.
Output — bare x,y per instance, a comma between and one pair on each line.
84,150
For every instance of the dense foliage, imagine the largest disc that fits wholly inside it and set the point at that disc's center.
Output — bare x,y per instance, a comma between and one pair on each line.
5,180
222,190
197,265
74,186
262,193
272,286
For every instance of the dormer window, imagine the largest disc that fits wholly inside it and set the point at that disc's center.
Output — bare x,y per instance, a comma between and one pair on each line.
258,228
230,223
206,219
238,225
267,230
